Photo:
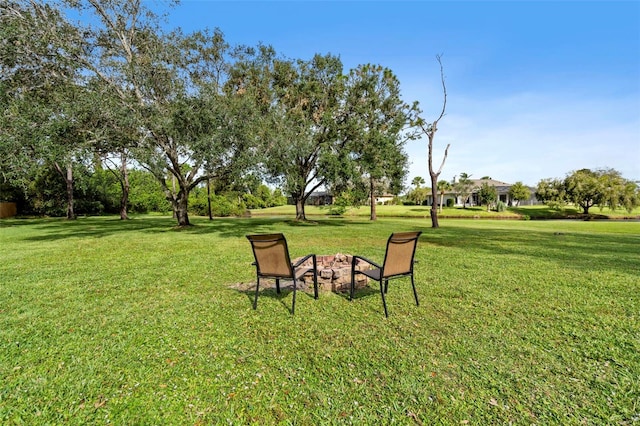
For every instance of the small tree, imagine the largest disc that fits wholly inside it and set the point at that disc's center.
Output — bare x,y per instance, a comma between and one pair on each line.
463,188
519,192
552,193
487,194
443,186
430,129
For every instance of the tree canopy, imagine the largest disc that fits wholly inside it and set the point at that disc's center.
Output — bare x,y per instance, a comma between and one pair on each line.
587,188
188,108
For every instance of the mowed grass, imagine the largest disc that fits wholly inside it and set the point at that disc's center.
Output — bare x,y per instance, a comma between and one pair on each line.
532,212
138,322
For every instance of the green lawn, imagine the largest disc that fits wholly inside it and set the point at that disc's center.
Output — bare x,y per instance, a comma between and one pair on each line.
527,212
138,322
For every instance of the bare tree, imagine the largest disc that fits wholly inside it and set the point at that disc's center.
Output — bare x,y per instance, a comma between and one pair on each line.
430,129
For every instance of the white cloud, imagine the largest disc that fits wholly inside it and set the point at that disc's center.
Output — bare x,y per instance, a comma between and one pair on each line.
528,137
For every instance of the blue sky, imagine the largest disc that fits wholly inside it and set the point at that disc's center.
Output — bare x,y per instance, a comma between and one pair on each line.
535,89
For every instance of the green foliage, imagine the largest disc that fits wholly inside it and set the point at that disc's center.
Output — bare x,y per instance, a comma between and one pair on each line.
418,181
586,188
221,205
500,206
450,202
552,193
519,192
487,194
146,195
417,196
463,187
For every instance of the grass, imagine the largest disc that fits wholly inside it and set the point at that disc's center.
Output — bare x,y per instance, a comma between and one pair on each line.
137,322
529,212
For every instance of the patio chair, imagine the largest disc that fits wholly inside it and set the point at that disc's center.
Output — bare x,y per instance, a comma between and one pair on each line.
272,261
398,262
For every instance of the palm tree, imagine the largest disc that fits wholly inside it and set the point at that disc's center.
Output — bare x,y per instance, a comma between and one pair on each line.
464,188
443,186
417,181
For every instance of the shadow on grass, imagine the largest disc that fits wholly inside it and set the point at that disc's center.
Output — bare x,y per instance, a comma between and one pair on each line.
268,290
98,227
579,250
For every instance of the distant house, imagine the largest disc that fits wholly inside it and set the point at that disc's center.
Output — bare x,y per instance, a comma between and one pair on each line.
319,198
384,198
502,189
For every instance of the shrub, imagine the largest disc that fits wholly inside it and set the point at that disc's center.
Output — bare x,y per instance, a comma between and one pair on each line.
500,206
221,205
449,202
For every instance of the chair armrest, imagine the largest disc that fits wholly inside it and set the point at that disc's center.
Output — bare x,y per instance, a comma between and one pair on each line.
304,259
371,262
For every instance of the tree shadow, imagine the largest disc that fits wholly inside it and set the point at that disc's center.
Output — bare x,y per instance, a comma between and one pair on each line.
100,226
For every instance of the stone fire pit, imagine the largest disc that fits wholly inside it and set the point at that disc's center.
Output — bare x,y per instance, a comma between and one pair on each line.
334,273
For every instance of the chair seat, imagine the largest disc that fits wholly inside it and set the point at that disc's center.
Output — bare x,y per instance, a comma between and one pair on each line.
301,271
374,274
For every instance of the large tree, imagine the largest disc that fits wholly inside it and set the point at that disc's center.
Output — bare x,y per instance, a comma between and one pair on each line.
173,86
583,189
301,143
374,124
586,188
41,95
429,129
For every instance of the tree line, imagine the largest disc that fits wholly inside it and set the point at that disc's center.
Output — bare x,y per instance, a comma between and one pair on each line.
586,188
114,91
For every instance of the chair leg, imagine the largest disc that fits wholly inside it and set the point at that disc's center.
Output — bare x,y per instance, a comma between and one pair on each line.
293,306
278,285
352,287
415,293
386,286
255,300
315,278
384,302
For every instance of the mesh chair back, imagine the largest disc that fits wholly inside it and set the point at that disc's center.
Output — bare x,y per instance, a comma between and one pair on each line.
271,254
401,248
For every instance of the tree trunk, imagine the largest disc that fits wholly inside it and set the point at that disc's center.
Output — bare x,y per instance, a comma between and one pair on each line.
372,199
434,197
180,208
68,179
124,199
300,215
209,199
441,199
